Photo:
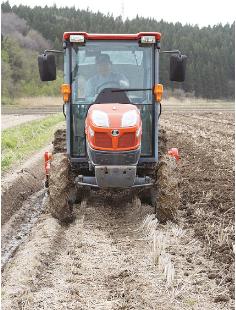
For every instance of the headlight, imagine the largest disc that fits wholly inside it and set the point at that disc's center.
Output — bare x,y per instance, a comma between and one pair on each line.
100,118
129,118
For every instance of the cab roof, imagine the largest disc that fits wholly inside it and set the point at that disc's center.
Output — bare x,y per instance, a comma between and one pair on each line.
110,36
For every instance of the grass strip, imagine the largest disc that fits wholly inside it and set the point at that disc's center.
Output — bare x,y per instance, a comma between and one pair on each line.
21,141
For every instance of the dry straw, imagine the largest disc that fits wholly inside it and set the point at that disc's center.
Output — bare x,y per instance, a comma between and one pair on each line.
159,243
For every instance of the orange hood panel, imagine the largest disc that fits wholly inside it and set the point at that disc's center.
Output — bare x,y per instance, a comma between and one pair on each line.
115,112
111,136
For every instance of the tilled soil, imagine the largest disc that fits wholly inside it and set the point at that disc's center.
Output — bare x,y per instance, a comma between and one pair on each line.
120,257
14,233
206,144
20,183
106,260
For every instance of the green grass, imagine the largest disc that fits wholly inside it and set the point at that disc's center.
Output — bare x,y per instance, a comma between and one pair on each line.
19,142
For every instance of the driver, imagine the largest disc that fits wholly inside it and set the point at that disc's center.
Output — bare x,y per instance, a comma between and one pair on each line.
104,77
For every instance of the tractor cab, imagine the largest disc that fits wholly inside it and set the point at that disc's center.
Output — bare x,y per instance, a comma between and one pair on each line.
112,70
112,101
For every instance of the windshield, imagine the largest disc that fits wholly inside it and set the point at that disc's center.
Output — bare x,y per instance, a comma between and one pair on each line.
112,64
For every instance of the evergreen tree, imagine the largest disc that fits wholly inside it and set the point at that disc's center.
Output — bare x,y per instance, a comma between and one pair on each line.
210,50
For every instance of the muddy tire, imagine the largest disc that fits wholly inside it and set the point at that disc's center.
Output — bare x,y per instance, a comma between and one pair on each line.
165,193
149,195
61,191
75,194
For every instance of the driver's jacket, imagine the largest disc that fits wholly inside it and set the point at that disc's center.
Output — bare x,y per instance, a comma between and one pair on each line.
95,84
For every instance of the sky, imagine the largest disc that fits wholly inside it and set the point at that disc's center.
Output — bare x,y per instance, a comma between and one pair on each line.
200,12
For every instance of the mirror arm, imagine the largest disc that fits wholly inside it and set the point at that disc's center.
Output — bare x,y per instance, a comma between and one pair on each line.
53,51
170,52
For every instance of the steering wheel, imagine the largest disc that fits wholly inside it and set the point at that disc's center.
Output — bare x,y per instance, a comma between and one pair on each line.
109,83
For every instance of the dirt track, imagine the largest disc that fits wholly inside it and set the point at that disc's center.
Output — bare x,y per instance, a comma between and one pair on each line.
12,120
119,257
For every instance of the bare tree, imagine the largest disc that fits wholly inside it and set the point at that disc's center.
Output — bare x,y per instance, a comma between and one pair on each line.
17,28
12,23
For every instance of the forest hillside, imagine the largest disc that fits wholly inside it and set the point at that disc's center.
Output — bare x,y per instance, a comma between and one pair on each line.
28,31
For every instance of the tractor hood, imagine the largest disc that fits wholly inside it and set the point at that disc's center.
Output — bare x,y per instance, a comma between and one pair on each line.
113,126
114,115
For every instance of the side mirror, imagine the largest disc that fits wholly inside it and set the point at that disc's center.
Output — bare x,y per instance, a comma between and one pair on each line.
47,67
177,67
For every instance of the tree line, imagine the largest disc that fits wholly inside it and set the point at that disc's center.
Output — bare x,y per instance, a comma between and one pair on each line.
210,50
19,50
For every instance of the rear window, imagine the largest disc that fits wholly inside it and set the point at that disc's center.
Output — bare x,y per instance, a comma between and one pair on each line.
117,57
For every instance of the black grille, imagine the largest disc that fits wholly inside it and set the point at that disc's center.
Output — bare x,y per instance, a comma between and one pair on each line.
114,158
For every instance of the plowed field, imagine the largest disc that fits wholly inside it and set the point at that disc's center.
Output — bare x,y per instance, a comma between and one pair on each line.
119,256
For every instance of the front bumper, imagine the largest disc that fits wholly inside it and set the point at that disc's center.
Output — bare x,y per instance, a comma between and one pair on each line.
113,158
114,170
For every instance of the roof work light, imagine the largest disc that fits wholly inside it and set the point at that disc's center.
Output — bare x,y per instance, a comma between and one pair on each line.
148,39
77,38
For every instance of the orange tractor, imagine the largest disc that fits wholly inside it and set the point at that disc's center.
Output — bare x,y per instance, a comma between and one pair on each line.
112,104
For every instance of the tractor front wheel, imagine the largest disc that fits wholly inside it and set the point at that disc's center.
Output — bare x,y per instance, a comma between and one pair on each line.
165,192
61,190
